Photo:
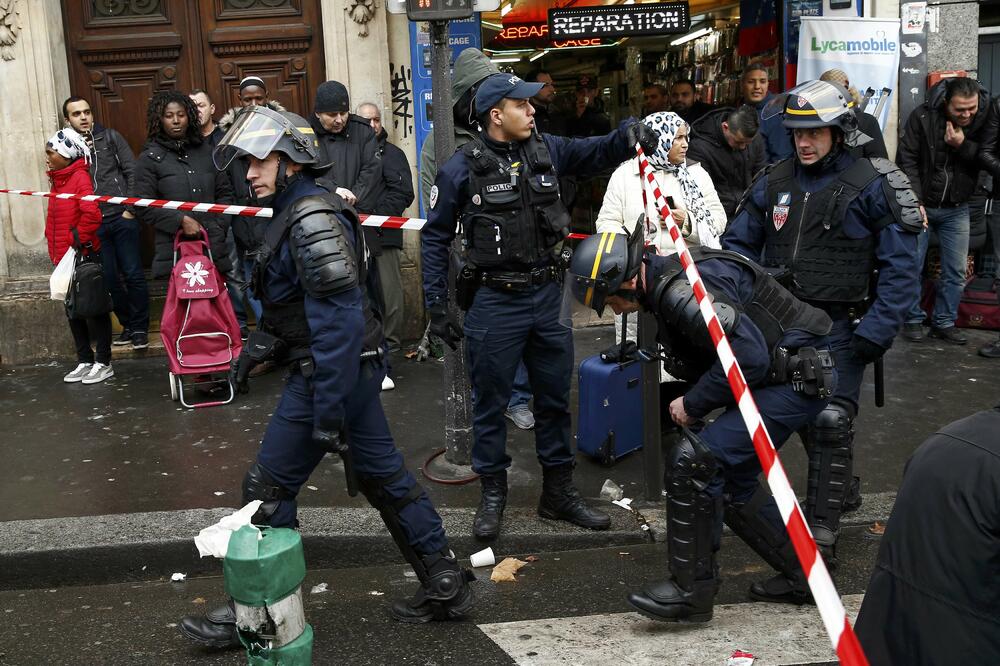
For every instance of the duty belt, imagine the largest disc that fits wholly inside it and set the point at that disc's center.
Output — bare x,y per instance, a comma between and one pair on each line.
506,281
807,369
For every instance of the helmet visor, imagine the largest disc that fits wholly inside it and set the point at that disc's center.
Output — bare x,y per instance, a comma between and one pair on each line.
583,300
818,101
256,132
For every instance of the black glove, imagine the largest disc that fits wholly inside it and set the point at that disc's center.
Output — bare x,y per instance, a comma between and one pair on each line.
645,136
329,439
444,326
239,370
866,350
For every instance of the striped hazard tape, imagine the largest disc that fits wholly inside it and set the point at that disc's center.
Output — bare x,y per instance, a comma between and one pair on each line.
831,610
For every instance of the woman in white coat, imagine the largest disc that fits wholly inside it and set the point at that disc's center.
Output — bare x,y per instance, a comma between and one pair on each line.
697,209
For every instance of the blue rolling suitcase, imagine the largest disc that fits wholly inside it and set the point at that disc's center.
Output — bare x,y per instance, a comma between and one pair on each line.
609,424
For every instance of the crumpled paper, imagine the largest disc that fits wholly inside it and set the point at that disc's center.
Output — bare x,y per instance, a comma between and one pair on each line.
506,570
214,539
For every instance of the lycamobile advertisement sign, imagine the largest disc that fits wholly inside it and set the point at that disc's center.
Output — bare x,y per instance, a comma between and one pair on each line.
866,49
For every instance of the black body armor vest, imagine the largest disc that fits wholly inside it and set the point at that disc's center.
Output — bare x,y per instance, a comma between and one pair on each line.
804,232
515,215
287,319
772,308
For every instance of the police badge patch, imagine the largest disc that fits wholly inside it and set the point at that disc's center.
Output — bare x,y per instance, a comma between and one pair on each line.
779,214
434,196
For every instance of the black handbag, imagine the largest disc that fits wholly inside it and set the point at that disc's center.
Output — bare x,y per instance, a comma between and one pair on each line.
88,296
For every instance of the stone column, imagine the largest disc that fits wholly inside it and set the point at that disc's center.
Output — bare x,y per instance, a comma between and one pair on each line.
34,77
953,37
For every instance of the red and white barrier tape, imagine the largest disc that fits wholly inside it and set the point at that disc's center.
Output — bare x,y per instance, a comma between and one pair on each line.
838,627
383,221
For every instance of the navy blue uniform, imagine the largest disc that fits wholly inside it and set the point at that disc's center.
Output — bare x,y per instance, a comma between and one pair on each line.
343,388
896,260
784,410
502,327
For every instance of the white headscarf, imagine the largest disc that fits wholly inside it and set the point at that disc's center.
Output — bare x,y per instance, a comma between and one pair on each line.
666,124
68,143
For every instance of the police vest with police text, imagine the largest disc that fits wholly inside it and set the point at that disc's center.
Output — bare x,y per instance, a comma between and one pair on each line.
804,232
514,216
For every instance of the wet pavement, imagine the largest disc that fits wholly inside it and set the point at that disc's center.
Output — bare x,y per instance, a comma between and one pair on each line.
136,623
124,447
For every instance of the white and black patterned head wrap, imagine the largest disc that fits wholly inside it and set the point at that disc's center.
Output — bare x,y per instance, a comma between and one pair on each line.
68,143
667,124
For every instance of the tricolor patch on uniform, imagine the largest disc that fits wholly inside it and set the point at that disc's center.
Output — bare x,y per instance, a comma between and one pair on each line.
434,196
785,198
779,215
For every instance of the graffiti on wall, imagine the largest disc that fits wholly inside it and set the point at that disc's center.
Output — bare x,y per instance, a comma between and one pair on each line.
402,98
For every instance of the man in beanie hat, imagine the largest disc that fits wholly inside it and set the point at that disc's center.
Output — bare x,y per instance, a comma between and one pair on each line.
347,143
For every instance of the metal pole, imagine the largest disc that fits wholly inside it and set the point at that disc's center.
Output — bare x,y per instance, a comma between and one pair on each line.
458,403
652,454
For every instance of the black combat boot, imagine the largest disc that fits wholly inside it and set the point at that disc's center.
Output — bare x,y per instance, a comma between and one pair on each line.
773,545
693,528
444,592
561,500
216,628
489,515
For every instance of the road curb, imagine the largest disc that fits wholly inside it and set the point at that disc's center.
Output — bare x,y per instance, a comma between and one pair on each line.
96,550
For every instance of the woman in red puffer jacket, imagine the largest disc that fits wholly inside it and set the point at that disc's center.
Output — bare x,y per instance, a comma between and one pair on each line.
67,158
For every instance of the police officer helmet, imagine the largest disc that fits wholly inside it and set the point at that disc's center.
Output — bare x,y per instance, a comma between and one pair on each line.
816,104
258,131
601,264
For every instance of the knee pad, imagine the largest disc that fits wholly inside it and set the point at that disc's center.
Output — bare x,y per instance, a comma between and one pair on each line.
258,485
690,464
833,427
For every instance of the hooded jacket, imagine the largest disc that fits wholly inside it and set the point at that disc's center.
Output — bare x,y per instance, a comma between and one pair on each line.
180,171
939,174
112,168
471,67
393,191
64,215
731,171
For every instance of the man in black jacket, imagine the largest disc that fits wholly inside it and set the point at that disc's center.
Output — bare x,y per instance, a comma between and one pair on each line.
942,153
685,103
347,143
112,171
723,143
391,195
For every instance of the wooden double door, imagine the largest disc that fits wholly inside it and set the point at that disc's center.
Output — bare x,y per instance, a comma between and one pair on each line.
123,51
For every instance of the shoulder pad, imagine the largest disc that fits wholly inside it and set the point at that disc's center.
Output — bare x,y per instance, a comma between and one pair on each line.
903,202
883,165
324,256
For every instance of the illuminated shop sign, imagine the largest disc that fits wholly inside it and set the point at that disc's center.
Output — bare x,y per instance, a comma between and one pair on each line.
661,18
525,35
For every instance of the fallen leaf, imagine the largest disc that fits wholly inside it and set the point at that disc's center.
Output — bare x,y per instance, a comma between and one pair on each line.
531,558
506,570
878,529
198,600
412,354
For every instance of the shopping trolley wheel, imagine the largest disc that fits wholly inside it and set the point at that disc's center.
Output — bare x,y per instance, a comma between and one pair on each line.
174,389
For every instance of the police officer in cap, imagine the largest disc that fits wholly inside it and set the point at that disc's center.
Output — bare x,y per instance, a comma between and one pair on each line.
711,473
312,276
503,188
846,229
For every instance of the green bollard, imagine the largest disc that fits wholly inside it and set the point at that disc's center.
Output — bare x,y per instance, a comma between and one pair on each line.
264,578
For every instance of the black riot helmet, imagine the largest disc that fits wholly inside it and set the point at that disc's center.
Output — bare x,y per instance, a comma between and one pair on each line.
258,131
600,265
818,104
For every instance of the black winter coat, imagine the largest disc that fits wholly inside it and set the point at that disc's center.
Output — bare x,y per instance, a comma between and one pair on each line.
932,598
938,173
732,171
351,156
175,170
393,191
113,168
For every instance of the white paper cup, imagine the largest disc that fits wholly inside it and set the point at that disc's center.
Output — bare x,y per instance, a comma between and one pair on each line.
484,558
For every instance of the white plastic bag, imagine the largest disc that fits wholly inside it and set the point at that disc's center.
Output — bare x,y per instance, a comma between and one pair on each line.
62,276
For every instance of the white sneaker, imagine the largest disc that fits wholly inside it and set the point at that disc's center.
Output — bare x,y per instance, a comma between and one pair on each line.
79,373
98,373
388,384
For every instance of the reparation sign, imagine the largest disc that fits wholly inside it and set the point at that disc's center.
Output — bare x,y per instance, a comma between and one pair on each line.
660,18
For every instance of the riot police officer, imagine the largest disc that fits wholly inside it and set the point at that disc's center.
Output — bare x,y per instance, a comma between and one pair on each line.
833,221
503,187
711,473
312,276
